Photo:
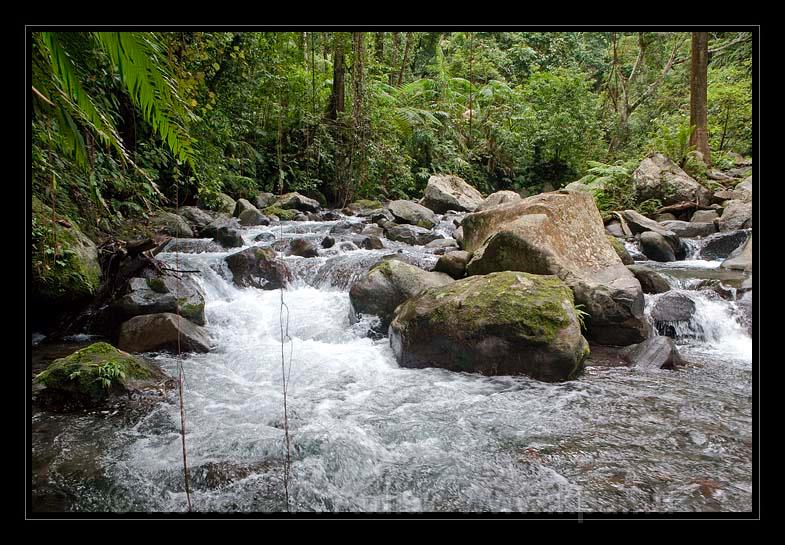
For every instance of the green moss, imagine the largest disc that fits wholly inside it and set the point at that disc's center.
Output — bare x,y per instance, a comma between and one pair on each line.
282,214
365,204
157,285
190,310
93,371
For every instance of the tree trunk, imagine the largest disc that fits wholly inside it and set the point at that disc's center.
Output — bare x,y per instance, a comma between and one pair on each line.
396,49
337,98
378,45
698,94
406,49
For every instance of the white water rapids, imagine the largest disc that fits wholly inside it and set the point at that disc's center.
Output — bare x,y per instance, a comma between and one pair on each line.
368,435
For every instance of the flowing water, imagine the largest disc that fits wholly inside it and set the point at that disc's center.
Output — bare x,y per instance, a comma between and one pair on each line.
368,435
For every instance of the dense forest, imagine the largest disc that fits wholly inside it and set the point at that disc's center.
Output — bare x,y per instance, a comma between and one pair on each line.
125,122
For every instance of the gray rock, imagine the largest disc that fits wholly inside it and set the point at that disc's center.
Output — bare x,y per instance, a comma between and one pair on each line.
171,224
741,258
302,248
721,245
673,307
163,293
224,204
372,242
291,201
653,353
657,177
163,332
259,268
497,199
263,200
330,215
704,216
408,212
447,192
347,227
328,242
656,247
264,237
241,206
252,217
614,228
638,223
410,234
690,228
737,215
197,217
651,281
453,263
667,216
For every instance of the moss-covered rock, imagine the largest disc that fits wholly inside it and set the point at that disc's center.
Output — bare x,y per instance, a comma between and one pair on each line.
218,202
621,251
90,375
364,204
296,201
259,268
280,213
501,323
64,260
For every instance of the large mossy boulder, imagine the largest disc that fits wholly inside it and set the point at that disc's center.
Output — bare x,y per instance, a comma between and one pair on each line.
258,268
657,177
447,192
163,332
503,323
295,201
65,268
163,293
387,285
411,213
561,233
280,213
94,373
171,224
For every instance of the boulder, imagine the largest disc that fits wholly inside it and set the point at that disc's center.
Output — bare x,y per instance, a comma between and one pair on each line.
163,332
615,229
280,213
302,248
372,230
411,213
443,244
372,242
295,201
741,258
673,307
745,187
225,231
744,305
724,195
657,177
251,217
690,228
497,199
656,247
387,285
330,215
259,268
197,217
654,353
447,192
220,203
328,242
364,207
721,245
191,246
264,237
621,251
163,293
347,227
704,216
171,224
348,246
561,233
92,374
667,216
453,263
410,234
458,236
651,281
638,223
736,215
263,200
75,276
241,206
503,323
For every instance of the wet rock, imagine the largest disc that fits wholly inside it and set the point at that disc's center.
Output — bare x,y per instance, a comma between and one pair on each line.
171,224
330,215
328,242
347,246
301,247
280,213
372,230
673,307
447,192
655,247
704,216
503,323
741,258
384,215
721,245
411,234
387,285
736,215
163,332
252,217
621,251
313,216
264,237
191,246
300,216
82,379
296,201
163,293
263,200
657,177
638,224
561,233
241,206
259,268
653,353
443,244
347,227
651,281
408,212
690,228
197,217
225,231
372,242
453,263
497,199
744,304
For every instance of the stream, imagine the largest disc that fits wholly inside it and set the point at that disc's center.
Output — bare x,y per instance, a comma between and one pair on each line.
368,435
